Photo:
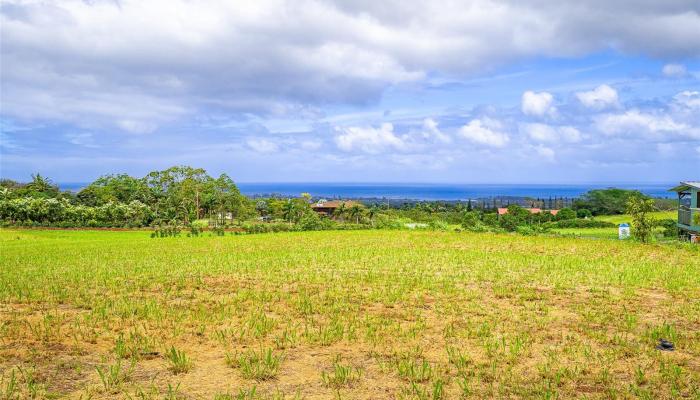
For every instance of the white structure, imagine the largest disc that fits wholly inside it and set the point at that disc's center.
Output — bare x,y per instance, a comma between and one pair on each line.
623,231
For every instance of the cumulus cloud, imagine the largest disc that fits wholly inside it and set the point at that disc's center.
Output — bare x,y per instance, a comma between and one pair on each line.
599,98
537,104
484,132
431,131
551,134
674,70
635,122
101,62
688,99
368,139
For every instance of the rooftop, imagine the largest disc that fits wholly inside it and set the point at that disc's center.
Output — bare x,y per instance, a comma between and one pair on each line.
685,186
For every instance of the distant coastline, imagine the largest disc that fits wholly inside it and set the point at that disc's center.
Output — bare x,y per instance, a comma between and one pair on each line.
427,192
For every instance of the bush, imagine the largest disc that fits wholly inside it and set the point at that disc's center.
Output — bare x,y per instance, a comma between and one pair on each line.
490,219
532,230
386,222
312,222
351,227
669,225
583,213
580,223
565,214
438,225
267,227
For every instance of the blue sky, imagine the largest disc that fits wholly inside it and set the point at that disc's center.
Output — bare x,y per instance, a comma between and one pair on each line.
425,91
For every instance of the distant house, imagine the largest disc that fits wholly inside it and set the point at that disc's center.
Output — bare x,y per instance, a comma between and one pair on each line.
688,208
502,211
329,208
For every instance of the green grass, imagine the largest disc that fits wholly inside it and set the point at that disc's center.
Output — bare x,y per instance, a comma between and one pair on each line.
625,218
611,233
357,314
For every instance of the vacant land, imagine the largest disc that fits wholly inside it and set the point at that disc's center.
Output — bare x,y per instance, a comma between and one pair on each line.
625,218
612,232
362,314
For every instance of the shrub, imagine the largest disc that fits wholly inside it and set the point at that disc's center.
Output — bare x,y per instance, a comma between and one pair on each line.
642,224
580,223
669,225
386,222
312,222
438,225
565,214
490,219
583,213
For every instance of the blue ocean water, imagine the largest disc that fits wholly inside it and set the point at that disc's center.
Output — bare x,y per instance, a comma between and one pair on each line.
424,191
440,191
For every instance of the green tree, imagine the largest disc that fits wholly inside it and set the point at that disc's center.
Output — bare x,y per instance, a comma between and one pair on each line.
607,201
642,225
565,214
372,212
41,186
289,210
356,211
341,211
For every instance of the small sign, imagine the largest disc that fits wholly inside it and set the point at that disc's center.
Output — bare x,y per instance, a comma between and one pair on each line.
623,231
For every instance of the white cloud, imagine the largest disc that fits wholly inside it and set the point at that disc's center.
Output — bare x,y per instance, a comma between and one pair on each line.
688,99
551,134
545,153
636,123
540,132
537,104
570,134
92,62
599,98
431,130
674,70
368,139
137,126
262,145
485,132
84,139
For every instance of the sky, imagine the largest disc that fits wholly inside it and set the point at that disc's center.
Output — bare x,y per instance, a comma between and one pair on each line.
520,91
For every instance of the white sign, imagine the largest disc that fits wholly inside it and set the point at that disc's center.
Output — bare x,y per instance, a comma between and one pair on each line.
623,231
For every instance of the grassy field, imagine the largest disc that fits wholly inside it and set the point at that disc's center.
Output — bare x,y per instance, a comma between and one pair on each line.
619,219
612,233
358,314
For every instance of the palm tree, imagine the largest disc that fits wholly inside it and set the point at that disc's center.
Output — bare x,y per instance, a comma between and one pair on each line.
356,212
372,212
340,211
41,184
289,210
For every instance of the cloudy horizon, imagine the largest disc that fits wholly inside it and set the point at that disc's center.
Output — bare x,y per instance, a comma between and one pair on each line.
328,91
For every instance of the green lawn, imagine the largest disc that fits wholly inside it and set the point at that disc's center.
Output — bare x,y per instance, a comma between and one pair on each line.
612,232
353,314
619,219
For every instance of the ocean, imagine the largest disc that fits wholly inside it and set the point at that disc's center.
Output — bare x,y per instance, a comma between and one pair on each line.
426,191
440,191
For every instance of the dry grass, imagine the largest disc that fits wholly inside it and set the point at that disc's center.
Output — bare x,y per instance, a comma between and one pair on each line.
367,314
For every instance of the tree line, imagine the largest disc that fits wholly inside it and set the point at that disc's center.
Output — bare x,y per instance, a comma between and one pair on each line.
178,194
184,196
